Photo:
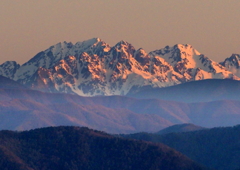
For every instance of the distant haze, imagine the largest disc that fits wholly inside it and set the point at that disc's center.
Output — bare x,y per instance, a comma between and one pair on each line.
28,27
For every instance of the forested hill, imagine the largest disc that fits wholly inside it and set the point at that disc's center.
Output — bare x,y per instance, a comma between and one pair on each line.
64,148
216,148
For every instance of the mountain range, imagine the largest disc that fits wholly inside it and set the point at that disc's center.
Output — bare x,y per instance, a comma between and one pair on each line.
93,67
119,89
24,109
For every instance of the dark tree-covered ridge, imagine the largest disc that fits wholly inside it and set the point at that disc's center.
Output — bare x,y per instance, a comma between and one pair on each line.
217,148
64,148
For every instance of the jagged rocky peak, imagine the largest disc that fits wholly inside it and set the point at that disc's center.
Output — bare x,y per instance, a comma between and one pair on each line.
193,65
93,67
179,52
142,57
61,47
91,43
10,64
92,46
232,64
122,43
186,51
122,53
48,58
187,48
142,51
124,47
233,60
9,68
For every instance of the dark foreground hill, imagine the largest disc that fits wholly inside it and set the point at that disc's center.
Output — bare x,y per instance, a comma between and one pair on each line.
65,148
217,148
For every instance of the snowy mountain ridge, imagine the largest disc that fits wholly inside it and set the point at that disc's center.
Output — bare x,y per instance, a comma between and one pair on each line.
233,64
9,68
93,67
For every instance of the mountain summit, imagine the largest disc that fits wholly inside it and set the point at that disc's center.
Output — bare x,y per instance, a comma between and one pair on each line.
232,64
93,67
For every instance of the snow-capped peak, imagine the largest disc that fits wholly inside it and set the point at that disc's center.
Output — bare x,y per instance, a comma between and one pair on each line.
184,53
187,48
234,59
88,43
232,64
49,57
192,64
93,67
9,68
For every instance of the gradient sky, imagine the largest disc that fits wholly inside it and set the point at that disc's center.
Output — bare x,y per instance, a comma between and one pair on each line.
30,26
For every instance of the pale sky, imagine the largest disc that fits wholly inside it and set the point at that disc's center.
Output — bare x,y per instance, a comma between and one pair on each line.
30,26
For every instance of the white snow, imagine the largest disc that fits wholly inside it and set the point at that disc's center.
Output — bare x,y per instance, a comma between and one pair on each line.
164,67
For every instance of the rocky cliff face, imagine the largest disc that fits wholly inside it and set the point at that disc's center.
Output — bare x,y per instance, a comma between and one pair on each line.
93,67
232,64
9,68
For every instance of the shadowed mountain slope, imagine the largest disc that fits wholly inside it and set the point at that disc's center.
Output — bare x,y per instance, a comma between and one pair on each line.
23,109
8,83
196,91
